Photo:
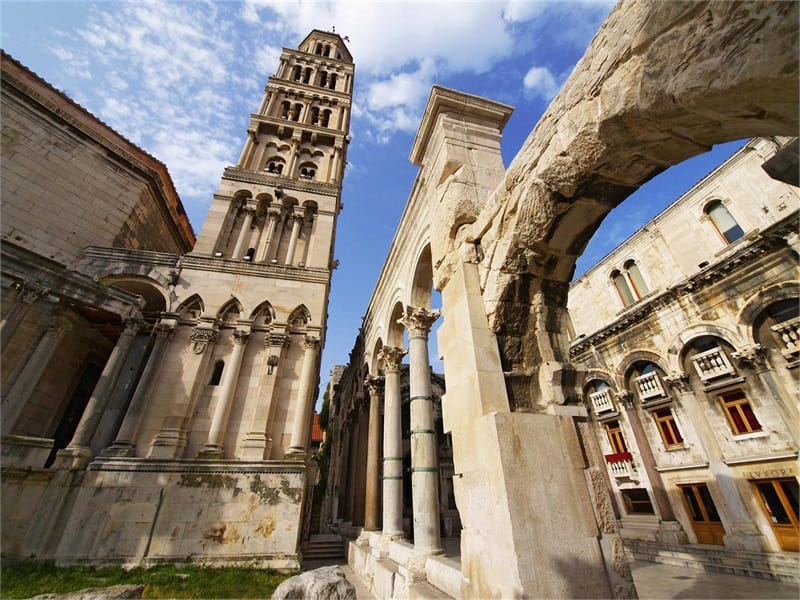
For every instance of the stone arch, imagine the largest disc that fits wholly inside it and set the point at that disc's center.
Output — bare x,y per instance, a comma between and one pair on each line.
680,342
600,374
620,122
191,309
263,315
757,303
638,356
394,330
230,312
422,282
299,318
377,363
156,299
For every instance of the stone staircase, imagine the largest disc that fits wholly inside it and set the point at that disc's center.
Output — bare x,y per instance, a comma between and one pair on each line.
324,547
778,566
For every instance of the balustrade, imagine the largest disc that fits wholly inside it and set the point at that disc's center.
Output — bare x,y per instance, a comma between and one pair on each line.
789,334
601,401
649,386
621,465
712,364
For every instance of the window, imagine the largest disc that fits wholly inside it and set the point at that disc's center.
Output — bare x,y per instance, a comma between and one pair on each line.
740,415
637,502
723,221
323,79
307,172
216,374
332,82
637,281
326,117
298,73
621,284
667,427
307,75
275,166
615,437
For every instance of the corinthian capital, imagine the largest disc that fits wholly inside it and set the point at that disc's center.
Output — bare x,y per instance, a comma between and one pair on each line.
375,385
391,357
418,320
753,356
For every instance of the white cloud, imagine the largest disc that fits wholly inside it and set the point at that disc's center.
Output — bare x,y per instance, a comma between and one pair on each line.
540,82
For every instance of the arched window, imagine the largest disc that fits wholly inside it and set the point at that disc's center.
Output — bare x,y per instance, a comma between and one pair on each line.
637,281
250,253
216,374
314,115
621,285
319,49
723,221
298,73
326,118
307,75
308,171
296,110
323,78
285,108
275,166
332,82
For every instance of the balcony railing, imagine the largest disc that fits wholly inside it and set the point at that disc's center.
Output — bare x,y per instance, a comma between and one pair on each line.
621,465
712,364
789,334
649,386
601,401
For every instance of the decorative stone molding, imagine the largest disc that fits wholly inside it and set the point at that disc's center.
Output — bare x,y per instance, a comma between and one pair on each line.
240,336
201,337
418,320
392,356
625,397
164,330
375,384
753,356
311,342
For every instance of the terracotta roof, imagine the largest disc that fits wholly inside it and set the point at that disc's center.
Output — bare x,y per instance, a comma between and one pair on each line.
316,430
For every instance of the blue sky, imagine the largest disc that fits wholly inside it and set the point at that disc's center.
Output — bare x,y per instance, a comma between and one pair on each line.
180,79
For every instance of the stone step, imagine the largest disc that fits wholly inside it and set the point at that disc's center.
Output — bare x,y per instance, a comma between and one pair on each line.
779,566
422,590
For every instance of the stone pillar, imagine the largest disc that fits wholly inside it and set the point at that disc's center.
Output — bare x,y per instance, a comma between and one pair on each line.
77,453
273,214
230,377
424,470
248,147
172,437
19,394
125,442
297,221
273,254
258,441
249,212
23,300
351,434
392,443
741,533
299,438
371,498
273,99
292,158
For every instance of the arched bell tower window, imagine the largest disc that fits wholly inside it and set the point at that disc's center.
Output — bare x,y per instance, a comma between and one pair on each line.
318,49
308,171
296,110
326,118
286,107
723,221
297,74
275,166
332,81
323,79
307,75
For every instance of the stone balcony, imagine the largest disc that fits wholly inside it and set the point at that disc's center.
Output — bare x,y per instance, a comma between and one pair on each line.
649,386
712,364
621,466
788,333
602,402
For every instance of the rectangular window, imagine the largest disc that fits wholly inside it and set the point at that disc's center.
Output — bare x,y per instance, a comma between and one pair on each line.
740,415
615,437
668,428
637,501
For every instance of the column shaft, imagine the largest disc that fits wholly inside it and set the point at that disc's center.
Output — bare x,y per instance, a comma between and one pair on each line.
243,233
392,443
297,221
371,498
299,438
424,469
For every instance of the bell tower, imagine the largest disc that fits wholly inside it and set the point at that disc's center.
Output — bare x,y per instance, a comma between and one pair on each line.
294,152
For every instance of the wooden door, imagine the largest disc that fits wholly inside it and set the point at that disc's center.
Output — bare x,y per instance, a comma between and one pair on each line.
705,520
779,499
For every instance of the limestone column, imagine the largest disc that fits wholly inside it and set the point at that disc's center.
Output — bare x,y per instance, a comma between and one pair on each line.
19,394
77,453
292,158
297,221
230,377
125,442
248,147
249,212
392,442
371,497
257,444
23,300
273,100
299,439
273,214
273,254
424,470
351,434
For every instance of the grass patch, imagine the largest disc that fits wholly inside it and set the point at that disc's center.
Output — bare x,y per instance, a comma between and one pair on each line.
27,579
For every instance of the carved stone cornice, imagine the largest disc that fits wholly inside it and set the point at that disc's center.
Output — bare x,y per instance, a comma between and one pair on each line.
418,320
245,175
277,339
392,356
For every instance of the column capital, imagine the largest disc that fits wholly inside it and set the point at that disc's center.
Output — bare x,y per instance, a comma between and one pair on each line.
241,335
133,322
274,211
678,380
753,356
277,339
374,383
164,330
391,357
310,342
298,213
418,320
201,337
59,325
625,397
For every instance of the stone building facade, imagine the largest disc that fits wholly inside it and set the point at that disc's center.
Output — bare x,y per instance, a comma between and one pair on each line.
660,82
687,335
191,365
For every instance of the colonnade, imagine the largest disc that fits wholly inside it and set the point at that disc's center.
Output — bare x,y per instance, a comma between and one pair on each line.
385,514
